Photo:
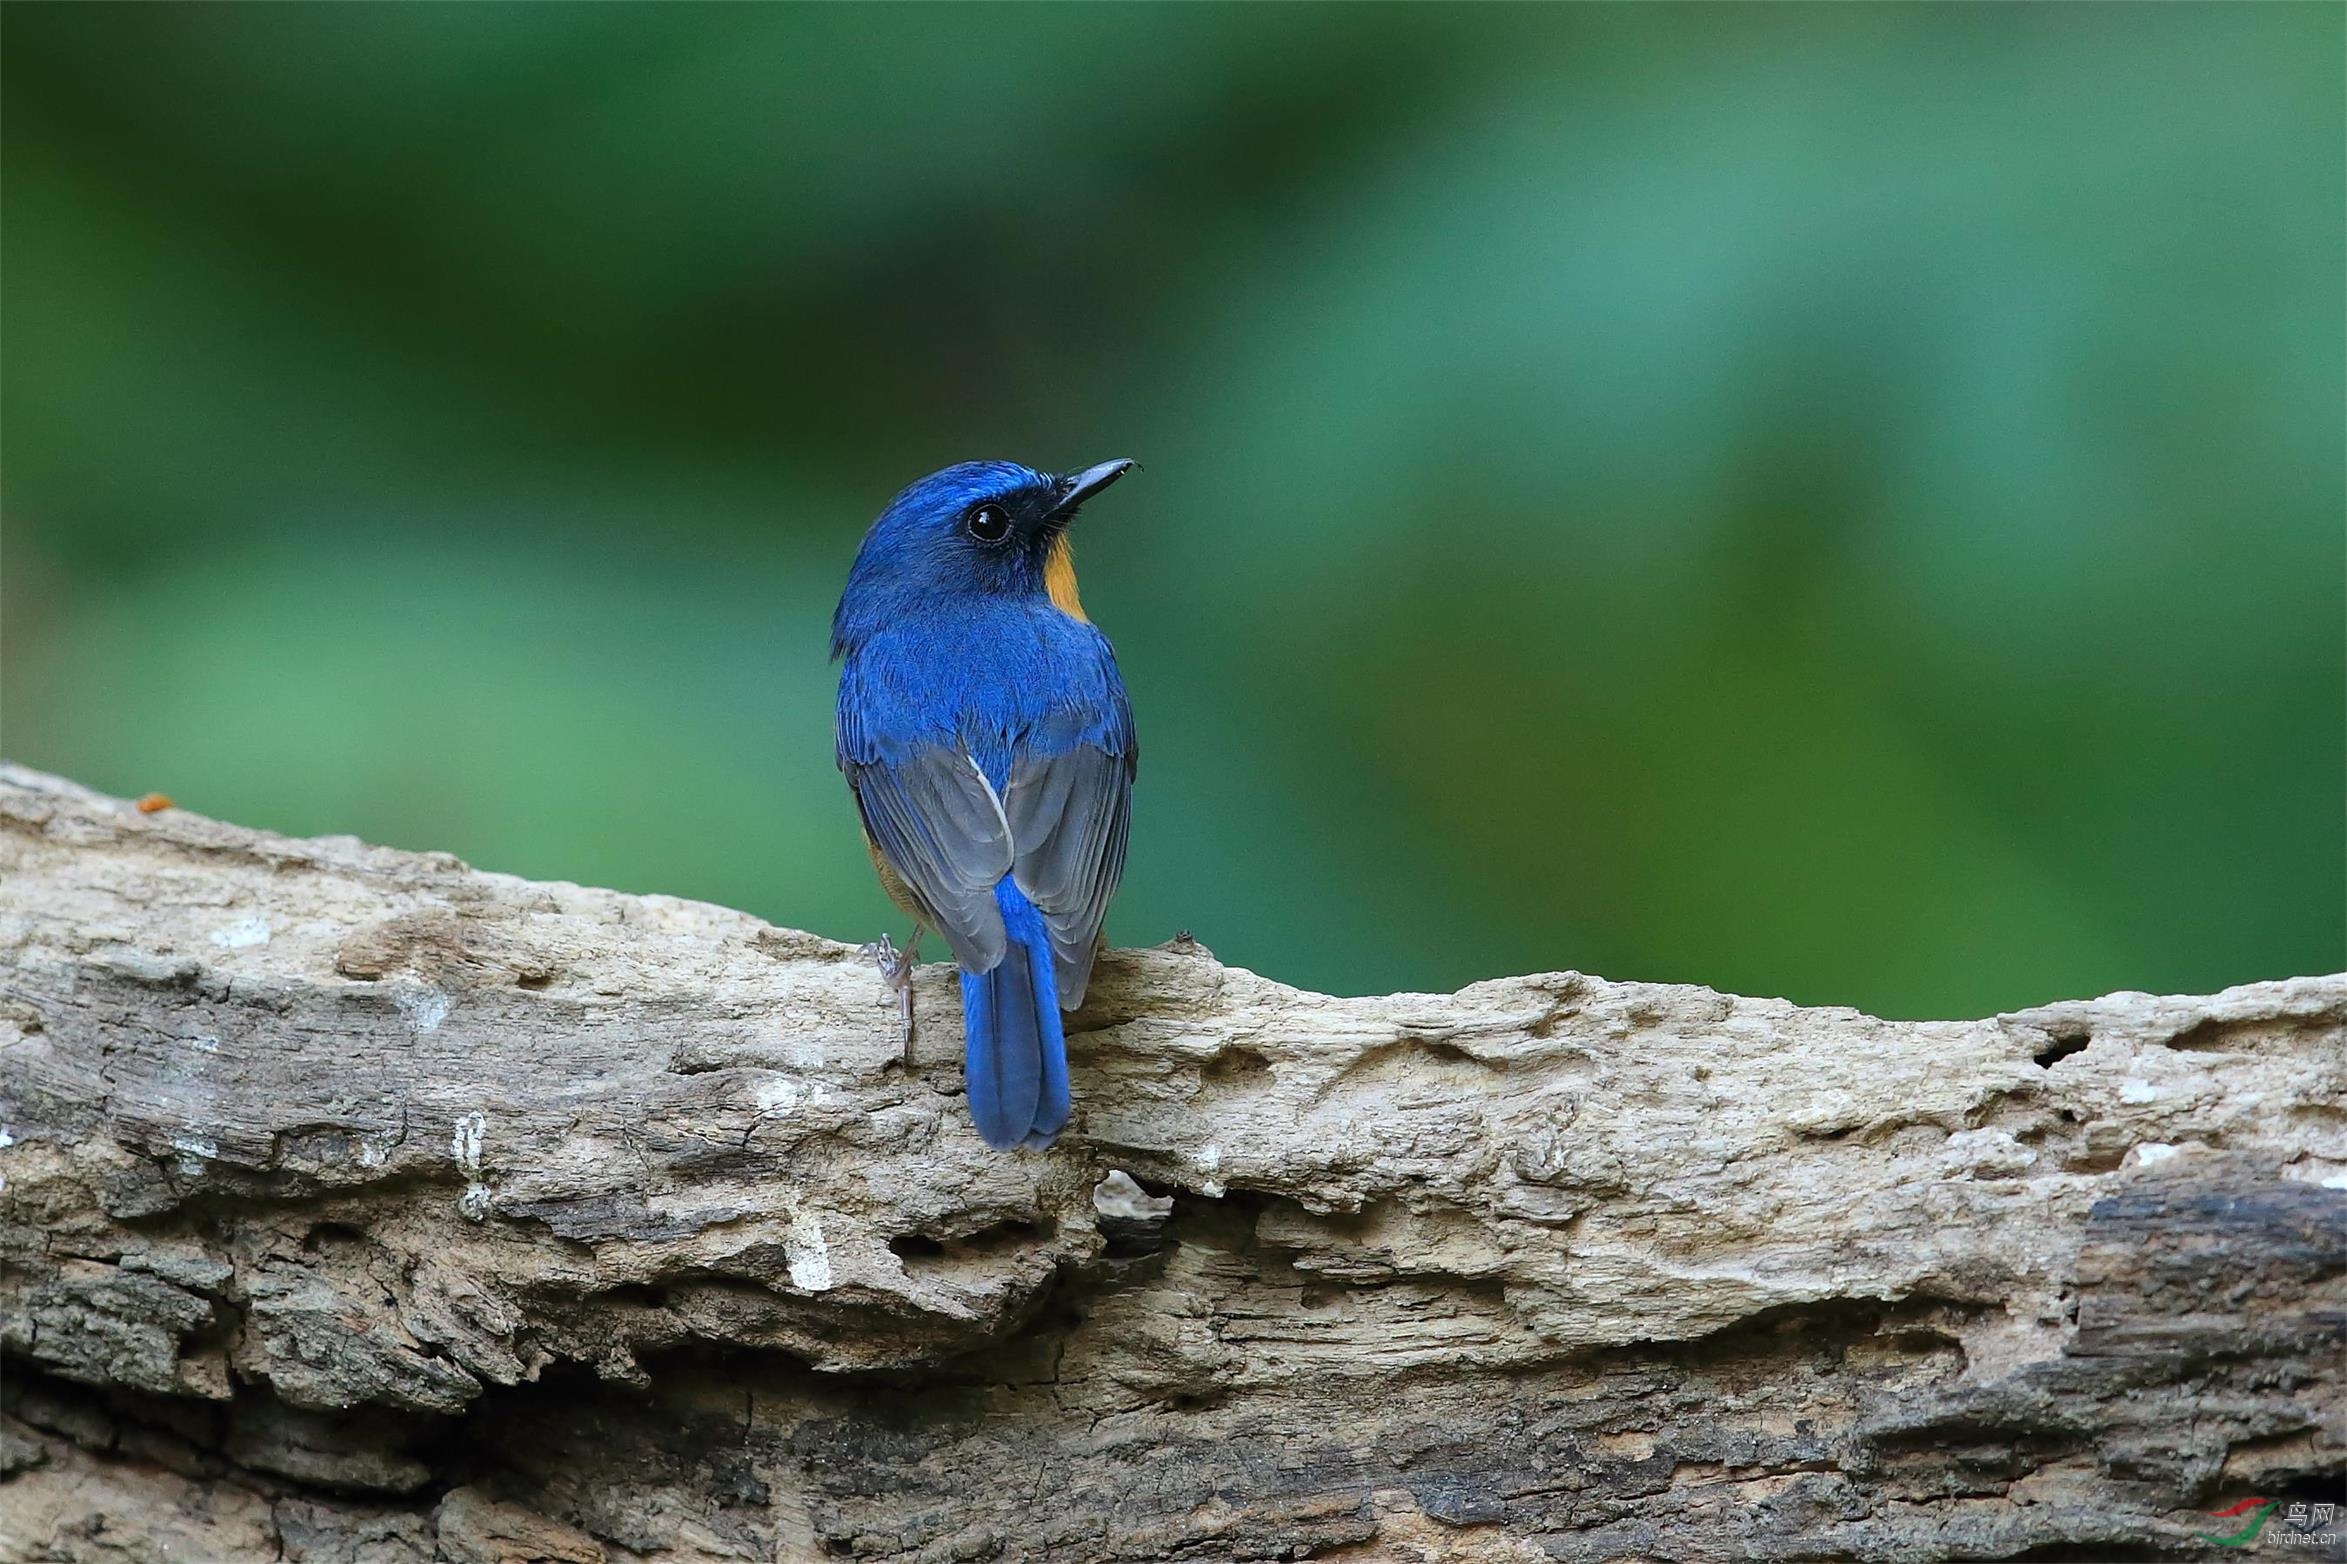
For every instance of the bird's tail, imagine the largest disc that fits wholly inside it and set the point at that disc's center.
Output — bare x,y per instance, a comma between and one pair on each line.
1015,1057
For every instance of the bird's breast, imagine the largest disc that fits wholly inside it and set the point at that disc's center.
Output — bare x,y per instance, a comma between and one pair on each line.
1059,579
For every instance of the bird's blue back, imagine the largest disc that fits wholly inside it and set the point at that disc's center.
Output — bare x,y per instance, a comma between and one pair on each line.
1001,677
959,665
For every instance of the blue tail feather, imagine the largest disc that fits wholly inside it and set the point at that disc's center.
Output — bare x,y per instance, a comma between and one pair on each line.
1015,1056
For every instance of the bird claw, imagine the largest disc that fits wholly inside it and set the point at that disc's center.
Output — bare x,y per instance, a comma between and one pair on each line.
896,970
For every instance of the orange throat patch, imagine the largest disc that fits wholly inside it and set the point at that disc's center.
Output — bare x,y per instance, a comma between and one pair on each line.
1059,579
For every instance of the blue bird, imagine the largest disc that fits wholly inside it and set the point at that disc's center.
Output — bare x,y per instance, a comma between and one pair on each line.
983,729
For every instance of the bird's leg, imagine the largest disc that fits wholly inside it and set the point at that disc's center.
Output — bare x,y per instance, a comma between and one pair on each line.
896,970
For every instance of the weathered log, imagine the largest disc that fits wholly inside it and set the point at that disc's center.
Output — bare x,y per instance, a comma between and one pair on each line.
362,1206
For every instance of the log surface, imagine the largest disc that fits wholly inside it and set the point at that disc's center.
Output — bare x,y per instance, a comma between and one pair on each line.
361,1206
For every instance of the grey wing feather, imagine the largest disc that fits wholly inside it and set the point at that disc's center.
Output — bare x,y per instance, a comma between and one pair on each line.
1069,815
936,819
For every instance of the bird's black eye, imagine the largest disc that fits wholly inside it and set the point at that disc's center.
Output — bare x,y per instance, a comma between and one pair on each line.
988,523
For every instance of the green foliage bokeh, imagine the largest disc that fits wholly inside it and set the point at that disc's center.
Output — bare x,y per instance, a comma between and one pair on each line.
1841,502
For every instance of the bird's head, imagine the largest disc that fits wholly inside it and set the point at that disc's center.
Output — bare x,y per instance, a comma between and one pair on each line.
976,528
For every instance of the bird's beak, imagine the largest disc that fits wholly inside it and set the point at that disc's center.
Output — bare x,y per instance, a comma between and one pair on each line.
1082,486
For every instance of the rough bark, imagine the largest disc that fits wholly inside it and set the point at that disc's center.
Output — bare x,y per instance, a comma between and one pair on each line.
362,1206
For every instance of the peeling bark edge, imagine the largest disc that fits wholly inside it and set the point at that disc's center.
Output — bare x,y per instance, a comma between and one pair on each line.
359,1205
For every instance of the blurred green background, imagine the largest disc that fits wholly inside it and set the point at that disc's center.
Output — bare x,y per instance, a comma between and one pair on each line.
1842,502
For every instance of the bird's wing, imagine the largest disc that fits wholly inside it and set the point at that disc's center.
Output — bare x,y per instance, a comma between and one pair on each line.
1069,813
937,820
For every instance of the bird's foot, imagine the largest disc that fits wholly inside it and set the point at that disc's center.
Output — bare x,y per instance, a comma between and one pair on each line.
896,970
